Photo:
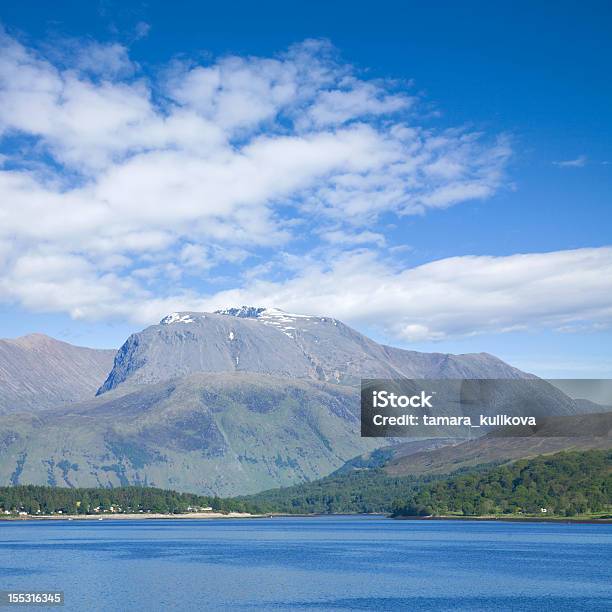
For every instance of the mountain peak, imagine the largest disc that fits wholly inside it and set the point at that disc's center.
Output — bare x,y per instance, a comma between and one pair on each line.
244,312
33,340
37,371
264,313
181,317
285,322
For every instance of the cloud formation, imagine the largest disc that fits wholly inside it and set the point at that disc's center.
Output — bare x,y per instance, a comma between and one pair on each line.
579,162
562,290
120,189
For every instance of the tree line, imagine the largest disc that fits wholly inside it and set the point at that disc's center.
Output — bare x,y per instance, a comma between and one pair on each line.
565,484
34,500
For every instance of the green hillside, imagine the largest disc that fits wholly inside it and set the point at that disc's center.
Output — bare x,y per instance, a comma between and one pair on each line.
565,484
220,434
357,491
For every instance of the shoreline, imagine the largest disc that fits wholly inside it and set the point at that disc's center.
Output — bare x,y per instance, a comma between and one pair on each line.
509,519
132,516
242,515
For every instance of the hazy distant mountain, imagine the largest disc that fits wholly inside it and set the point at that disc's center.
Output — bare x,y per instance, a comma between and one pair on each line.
39,372
270,341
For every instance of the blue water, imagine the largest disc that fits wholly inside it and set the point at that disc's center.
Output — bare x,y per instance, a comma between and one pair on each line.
327,563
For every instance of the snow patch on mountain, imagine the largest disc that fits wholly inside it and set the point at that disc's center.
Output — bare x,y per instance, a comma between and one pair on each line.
285,322
178,317
244,312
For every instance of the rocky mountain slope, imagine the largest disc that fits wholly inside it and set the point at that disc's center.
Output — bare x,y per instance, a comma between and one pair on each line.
270,341
39,372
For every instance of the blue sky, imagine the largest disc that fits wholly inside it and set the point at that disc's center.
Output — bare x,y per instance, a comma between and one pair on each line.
438,177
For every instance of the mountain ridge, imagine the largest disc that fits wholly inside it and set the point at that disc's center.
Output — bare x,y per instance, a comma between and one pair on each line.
39,372
273,342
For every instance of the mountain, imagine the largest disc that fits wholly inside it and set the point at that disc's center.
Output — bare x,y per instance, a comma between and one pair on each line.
39,372
215,433
224,403
270,341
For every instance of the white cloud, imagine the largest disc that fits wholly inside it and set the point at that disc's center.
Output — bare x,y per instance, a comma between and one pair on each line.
356,99
141,30
579,162
339,237
449,297
117,184
106,60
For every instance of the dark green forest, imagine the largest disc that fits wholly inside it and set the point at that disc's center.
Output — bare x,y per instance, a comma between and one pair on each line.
49,500
565,484
361,491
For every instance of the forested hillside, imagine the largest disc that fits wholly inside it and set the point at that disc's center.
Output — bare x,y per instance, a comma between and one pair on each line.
358,491
565,484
